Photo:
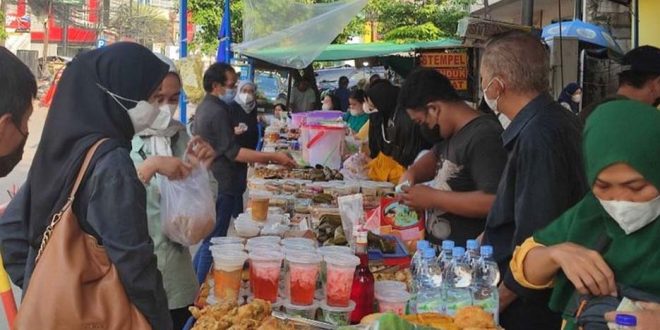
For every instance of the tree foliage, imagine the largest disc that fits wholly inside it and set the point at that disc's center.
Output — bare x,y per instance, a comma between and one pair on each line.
3,32
144,24
397,20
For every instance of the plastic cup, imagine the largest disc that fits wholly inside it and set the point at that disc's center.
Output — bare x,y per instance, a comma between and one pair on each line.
227,247
299,241
340,270
306,311
265,269
276,306
227,271
303,273
259,205
394,301
339,316
226,240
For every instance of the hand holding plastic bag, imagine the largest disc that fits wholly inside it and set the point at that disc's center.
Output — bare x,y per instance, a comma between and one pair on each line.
187,207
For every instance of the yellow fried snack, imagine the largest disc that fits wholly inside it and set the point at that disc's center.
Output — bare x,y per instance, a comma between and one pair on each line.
474,317
433,320
229,316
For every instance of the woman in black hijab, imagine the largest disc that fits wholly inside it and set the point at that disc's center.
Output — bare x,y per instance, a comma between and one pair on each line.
102,94
391,131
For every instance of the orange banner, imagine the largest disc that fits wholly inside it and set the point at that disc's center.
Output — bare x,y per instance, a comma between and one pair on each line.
454,66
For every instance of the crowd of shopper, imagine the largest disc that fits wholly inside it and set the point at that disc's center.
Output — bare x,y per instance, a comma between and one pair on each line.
567,194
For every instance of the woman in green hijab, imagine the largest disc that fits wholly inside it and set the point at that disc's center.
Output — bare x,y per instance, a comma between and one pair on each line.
622,154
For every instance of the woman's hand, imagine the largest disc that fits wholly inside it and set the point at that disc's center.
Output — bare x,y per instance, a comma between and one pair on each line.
585,268
281,158
647,319
200,151
171,167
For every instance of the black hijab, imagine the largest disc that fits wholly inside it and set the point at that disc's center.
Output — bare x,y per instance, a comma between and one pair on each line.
393,123
81,114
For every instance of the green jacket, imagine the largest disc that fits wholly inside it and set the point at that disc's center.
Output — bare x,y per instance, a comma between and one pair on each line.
174,260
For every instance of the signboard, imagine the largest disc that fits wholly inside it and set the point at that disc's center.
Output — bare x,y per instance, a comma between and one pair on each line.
452,65
474,28
100,43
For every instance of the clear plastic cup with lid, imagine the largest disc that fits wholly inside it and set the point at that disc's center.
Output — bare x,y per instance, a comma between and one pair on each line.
394,301
339,316
264,239
305,311
303,274
227,273
226,240
265,267
299,241
339,282
382,286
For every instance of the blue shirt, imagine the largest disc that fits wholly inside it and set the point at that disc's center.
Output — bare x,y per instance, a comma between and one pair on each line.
544,177
342,94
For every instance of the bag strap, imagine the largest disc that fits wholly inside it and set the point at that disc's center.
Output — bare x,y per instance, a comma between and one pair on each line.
58,216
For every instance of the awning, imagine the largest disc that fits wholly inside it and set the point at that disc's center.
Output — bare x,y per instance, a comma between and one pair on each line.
338,52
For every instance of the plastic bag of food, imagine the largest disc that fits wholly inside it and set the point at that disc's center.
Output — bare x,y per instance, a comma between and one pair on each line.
187,207
352,215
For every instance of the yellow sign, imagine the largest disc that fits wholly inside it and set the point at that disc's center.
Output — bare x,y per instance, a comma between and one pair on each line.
452,65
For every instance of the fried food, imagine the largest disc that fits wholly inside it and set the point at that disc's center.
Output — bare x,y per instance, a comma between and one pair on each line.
272,323
229,316
474,318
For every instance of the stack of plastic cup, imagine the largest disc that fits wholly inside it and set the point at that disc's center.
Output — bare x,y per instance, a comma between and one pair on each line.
227,273
265,269
263,239
340,270
303,273
226,240
299,241
330,249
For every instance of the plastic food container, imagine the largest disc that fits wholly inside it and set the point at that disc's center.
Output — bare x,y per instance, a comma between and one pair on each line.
308,311
303,274
340,270
382,286
227,273
259,206
265,269
323,250
339,316
394,301
227,247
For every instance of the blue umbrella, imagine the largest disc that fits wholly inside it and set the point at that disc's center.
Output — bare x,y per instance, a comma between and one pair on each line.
586,32
224,36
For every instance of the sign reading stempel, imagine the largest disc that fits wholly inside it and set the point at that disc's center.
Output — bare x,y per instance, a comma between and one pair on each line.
453,65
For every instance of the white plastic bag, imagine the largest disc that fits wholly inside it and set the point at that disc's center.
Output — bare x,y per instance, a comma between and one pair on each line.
187,207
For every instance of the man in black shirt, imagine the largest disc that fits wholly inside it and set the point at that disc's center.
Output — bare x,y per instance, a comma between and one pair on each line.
465,167
639,79
544,175
213,122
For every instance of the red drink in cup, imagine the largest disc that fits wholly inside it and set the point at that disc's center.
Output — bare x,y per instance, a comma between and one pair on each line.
265,274
340,271
303,274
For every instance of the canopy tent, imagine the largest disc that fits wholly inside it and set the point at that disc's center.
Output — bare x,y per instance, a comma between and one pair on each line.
339,52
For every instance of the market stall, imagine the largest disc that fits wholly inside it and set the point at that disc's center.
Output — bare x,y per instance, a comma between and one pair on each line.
320,245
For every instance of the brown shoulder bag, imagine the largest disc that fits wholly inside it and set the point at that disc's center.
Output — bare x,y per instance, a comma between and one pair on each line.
74,285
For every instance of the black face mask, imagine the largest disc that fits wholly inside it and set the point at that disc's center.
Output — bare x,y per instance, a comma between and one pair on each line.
431,135
657,102
8,162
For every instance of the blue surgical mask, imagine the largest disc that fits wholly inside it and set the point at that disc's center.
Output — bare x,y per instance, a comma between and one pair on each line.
230,93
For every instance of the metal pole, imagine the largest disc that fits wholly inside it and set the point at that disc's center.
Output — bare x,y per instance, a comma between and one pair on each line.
577,14
636,20
527,12
65,36
183,52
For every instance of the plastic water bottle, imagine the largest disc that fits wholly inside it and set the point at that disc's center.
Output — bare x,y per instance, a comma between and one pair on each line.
444,259
429,297
472,252
625,322
456,284
417,256
484,287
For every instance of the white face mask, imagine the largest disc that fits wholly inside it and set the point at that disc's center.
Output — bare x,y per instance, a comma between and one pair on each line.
355,112
365,108
577,98
326,107
632,216
142,115
492,104
246,98
164,117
